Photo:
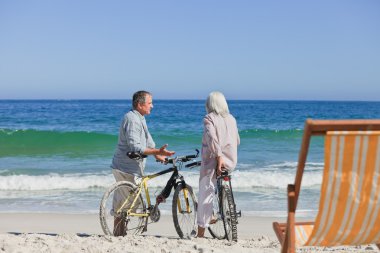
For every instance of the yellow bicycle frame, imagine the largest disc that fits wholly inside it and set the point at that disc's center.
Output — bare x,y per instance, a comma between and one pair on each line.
144,184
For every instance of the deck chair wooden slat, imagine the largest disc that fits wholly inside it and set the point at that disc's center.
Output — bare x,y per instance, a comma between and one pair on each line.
349,208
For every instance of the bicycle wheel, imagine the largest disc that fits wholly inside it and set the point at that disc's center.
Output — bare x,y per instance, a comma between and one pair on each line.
229,214
184,209
216,227
113,210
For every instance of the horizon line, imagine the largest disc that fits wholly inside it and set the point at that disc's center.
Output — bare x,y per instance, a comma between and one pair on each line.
178,99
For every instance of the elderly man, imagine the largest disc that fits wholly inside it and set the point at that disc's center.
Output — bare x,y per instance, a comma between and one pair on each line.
134,137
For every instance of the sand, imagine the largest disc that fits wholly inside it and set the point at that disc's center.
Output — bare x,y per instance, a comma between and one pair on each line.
31,232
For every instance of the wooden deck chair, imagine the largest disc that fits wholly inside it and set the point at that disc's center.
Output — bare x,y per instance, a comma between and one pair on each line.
349,206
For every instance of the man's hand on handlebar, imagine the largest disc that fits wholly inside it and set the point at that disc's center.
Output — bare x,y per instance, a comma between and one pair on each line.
160,154
163,154
161,159
180,159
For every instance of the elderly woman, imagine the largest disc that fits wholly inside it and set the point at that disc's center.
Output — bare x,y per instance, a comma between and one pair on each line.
219,151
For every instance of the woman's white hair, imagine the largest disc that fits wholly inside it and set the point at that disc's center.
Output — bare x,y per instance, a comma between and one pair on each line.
216,102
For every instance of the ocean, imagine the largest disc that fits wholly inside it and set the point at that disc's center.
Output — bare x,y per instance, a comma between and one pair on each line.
55,155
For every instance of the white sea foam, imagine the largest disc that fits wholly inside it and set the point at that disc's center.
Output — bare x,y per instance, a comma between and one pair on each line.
54,181
257,192
283,213
243,180
292,165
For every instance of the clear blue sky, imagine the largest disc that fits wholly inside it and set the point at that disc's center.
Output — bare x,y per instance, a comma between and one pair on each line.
309,50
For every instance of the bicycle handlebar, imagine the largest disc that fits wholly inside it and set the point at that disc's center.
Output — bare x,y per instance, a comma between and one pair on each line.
194,164
182,158
138,156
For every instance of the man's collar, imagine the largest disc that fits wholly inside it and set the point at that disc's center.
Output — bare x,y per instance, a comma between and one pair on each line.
138,113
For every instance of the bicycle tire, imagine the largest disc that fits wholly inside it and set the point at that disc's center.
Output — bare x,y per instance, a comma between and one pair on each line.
229,214
217,229
107,214
184,218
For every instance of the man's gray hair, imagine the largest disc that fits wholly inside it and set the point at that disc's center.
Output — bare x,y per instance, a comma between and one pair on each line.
139,98
216,102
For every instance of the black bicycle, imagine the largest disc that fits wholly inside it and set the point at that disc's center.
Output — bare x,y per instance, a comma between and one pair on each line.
224,222
126,207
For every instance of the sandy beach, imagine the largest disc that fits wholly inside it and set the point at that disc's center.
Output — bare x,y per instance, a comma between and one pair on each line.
32,232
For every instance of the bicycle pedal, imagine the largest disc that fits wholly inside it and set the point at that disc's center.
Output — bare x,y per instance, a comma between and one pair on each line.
160,199
155,214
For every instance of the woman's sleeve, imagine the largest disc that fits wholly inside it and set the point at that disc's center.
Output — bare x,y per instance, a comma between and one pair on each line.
212,137
237,133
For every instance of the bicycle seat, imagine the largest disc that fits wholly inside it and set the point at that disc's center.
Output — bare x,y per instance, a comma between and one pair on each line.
225,173
136,155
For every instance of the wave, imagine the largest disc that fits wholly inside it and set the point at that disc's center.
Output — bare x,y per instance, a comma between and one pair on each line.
275,180
190,133
55,182
245,181
79,143
281,166
270,133
40,142
177,138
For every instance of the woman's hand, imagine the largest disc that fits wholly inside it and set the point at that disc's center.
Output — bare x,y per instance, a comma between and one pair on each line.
220,165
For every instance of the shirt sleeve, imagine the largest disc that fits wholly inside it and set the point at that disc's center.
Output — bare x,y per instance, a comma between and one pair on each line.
150,142
133,135
211,137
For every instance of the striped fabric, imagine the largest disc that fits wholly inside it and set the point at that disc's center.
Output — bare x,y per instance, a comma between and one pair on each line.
303,233
349,208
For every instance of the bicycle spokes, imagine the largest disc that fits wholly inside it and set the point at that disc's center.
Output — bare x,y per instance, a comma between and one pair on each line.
216,227
117,205
184,211
229,214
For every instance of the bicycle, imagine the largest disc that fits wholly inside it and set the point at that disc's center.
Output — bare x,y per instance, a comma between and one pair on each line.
123,205
224,222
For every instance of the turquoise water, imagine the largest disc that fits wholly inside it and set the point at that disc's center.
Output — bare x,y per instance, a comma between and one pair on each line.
55,154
